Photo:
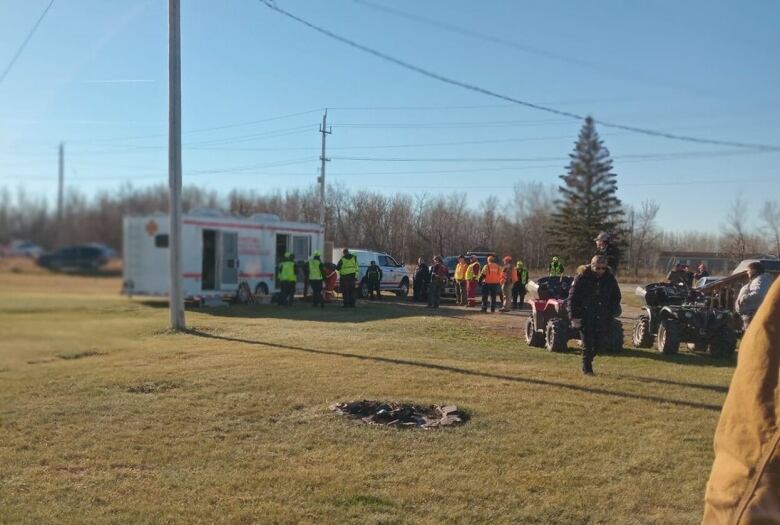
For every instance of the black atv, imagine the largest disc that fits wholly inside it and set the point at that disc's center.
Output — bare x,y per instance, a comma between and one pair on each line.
676,314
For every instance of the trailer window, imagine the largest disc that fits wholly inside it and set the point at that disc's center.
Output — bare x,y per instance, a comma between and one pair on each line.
301,247
161,240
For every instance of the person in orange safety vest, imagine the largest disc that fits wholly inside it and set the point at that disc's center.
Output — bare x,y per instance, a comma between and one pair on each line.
490,276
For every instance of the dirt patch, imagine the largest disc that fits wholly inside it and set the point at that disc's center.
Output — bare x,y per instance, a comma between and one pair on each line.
79,355
401,415
152,387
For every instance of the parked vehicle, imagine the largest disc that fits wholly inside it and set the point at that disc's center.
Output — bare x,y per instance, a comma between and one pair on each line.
109,252
219,252
704,281
452,260
25,249
395,277
549,325
675,314
81,258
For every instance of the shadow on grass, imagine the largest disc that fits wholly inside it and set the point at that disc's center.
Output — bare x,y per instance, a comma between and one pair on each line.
678,359
714,388
465,371
364,311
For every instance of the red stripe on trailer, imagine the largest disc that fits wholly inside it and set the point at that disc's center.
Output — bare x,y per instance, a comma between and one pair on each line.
255,274
191,275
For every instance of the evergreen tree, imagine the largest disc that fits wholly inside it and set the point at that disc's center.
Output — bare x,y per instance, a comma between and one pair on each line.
587,204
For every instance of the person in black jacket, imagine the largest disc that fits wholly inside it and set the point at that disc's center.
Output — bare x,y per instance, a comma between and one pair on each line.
606,247
594,300
420,278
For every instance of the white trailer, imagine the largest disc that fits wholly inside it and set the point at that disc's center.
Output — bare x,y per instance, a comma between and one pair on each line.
218,252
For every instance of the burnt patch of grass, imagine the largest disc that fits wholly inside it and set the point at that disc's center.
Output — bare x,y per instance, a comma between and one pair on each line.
79,355
152,387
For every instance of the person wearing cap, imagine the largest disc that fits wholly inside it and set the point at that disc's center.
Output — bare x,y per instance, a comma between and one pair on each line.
315,273
460,281
508,280
556,267
518,289
373,280
472,278
490,277
348,271
439,273
593,302
752,294
605,247
287,279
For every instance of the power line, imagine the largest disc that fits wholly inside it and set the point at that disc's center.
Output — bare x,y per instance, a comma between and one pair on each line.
24,43
478,89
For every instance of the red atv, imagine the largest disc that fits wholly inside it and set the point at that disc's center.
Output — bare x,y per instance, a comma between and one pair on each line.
549,325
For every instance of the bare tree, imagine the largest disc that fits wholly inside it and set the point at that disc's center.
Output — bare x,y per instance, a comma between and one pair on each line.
770,217
735,238
643,234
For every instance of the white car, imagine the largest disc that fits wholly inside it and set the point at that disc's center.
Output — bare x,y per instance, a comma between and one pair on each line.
395,278
25,249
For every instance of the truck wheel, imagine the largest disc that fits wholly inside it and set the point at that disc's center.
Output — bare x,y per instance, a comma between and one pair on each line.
556,335
724,343
532,337
643,335
615,338
261,289
668,340
403,290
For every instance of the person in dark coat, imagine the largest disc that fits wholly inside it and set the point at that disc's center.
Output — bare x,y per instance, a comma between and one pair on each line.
594,300
373,280
605,247
677,275
421,277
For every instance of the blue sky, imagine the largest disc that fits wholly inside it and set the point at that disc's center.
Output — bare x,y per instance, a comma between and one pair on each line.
95,77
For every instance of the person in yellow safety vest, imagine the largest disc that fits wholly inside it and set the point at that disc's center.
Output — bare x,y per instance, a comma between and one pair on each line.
472,277
556,268
460,281
348,272
508,278
518,290
287,279
316,272
490,276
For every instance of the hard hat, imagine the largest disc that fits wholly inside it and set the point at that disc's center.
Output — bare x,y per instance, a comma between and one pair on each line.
491,258
555,259
287,255
316,253
602,236
519,264
507,259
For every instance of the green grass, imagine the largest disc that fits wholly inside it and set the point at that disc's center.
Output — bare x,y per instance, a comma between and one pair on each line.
107,417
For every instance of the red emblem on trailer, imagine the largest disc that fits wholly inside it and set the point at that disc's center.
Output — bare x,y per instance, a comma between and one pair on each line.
151,228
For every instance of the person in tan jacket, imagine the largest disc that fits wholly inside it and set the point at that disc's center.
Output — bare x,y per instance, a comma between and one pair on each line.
744,485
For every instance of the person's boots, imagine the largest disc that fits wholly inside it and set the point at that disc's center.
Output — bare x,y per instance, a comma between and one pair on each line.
587,367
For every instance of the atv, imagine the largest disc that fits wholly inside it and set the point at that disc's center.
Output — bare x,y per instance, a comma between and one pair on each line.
676,314
549,325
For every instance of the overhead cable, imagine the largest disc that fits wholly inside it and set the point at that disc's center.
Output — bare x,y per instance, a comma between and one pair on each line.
478,89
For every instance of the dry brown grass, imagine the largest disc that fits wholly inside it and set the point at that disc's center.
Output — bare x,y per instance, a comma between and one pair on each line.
105,416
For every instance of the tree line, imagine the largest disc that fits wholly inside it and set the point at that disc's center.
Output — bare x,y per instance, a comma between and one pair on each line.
535,222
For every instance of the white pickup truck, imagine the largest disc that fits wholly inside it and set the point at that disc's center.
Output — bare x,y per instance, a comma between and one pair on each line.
395,278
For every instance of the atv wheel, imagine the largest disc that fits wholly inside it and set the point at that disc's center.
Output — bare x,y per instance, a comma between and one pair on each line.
532,337
724,343
668,340
643,336
556,335
614,342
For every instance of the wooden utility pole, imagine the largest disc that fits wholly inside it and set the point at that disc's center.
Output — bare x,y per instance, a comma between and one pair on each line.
174,164
323,159
60,194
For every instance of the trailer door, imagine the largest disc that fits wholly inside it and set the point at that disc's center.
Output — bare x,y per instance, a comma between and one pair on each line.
229,258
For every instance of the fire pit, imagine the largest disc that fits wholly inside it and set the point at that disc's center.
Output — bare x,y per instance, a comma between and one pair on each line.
401,415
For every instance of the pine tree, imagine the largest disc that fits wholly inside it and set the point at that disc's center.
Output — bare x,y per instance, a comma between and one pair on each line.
588,203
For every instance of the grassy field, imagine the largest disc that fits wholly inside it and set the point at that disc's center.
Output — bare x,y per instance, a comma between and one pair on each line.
106,417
